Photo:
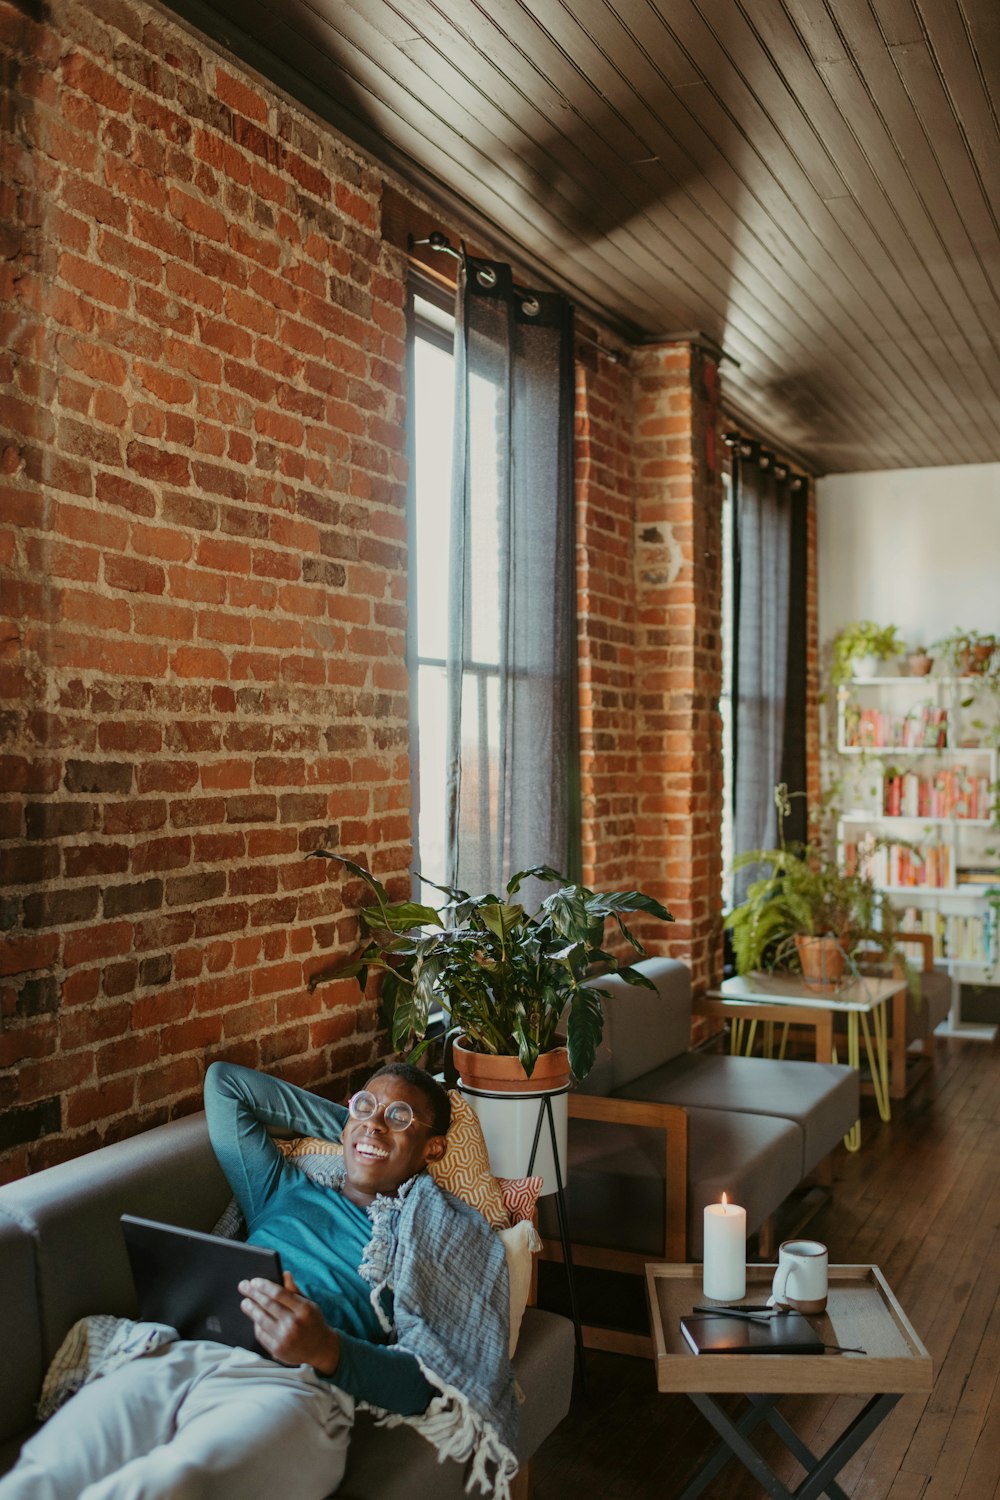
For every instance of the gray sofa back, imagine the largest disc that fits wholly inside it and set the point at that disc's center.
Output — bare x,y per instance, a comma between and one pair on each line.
642,1028
71,1214
22,1365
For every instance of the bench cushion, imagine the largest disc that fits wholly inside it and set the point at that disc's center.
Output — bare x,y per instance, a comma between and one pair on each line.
823,1099
615,1193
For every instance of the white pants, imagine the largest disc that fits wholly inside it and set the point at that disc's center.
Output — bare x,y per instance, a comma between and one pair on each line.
192,1421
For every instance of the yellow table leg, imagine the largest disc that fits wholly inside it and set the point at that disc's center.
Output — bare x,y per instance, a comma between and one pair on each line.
878,1059
751,1034
784,1042
852,1140
736,1037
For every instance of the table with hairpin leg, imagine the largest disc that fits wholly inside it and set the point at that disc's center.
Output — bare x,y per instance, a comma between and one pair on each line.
789,999
861,1315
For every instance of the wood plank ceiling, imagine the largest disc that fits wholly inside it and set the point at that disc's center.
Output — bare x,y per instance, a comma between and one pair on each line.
812,184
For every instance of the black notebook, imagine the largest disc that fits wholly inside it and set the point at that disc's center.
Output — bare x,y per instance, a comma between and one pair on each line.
781,1333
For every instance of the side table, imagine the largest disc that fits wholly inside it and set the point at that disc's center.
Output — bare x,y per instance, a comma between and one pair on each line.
861,1313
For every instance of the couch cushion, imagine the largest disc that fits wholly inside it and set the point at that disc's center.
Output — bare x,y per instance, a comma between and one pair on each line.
397,1464
615,1194
822,1098
642,1028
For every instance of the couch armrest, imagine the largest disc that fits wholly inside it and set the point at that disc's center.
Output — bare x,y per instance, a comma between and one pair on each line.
673,1120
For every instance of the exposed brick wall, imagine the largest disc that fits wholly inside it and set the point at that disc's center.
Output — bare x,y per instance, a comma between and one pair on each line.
203,532
605,501
649,540
678,520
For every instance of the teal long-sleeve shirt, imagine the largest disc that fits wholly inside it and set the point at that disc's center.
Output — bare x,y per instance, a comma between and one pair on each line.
319,1234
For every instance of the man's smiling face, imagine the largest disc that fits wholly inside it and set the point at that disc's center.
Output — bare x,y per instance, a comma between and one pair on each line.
380,1160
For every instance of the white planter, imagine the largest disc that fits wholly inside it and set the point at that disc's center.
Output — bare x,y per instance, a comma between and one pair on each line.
509,1129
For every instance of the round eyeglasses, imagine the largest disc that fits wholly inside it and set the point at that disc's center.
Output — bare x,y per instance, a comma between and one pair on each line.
397,1113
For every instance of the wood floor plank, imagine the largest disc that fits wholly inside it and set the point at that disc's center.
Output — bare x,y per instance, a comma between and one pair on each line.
922,1200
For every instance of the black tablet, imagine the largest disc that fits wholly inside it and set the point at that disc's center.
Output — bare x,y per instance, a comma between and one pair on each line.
190,1280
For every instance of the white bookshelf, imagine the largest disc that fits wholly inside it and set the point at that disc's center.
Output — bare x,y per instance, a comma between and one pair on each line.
897,708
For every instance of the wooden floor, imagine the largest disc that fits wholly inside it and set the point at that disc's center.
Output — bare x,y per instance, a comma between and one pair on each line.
922,1201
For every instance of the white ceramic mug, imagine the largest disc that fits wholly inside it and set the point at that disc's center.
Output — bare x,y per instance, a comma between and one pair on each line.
801,1278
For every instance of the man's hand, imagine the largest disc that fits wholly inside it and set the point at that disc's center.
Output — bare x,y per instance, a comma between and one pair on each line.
290,1327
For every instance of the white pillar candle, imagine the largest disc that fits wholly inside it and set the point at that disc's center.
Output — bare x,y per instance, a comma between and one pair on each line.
725,1270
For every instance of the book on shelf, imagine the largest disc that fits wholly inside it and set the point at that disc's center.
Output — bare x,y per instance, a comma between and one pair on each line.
928,865
960,937
923,728
948,793
978,875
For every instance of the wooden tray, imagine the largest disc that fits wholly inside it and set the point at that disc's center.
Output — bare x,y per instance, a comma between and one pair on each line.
861,1313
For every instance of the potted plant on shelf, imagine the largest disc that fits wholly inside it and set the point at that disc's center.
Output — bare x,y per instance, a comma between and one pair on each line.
505,978
919,661
969,653
805,913
860,648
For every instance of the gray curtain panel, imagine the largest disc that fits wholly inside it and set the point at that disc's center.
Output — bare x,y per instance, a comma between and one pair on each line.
762,541
513,761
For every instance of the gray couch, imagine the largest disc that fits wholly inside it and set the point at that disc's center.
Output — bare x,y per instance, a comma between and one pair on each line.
657,1132
62,1257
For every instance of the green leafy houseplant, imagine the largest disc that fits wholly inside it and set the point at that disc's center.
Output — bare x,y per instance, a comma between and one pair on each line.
503,977
802,892
969,652
862,638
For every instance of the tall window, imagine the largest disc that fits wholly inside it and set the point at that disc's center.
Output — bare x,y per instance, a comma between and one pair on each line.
492,585
433,388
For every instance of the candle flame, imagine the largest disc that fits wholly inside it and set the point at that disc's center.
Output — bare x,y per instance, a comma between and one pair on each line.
725,1204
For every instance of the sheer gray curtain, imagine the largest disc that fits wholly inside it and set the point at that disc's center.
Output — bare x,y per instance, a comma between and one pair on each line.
513,778
761,577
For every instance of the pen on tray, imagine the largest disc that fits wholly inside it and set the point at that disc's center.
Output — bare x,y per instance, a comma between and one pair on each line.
745,1315
757,1307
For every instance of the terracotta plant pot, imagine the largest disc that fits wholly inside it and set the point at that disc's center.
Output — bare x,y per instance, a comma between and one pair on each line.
510,1118
505,1075
822,959
919,663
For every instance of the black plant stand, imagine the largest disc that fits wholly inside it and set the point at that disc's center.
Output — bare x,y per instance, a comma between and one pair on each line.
545,1113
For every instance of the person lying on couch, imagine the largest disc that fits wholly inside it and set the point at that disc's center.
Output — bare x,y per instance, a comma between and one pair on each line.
395,1295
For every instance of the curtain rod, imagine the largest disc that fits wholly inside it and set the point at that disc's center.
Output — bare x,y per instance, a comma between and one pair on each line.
745,446
438,240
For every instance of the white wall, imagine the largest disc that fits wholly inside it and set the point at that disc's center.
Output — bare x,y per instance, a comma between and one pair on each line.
915,548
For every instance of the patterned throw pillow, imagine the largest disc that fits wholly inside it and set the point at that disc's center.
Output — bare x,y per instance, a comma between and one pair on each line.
520,1194
465,1167
308,1145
